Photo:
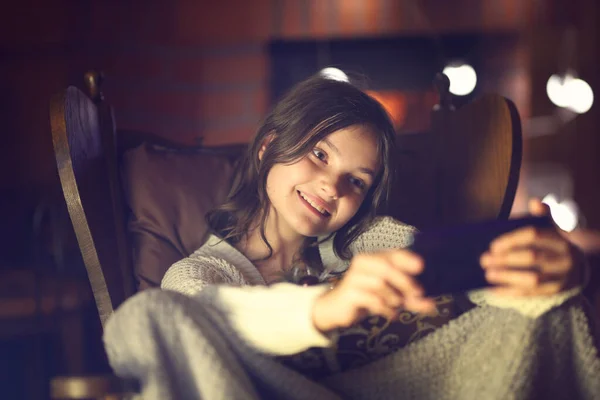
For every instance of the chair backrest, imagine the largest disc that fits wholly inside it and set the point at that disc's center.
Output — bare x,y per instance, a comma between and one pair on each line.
479,151
465,169
84,146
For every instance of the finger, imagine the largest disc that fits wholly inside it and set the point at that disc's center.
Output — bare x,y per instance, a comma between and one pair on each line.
375,305
555,267
405,284
509,291
529,236
526,258
548,288
537,208
527,280
391,274
379,286
405,260
393,298
545,289
422,305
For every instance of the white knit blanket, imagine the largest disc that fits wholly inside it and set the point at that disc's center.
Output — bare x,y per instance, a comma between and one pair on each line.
182,347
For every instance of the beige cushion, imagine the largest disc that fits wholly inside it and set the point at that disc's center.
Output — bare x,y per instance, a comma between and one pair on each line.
169,191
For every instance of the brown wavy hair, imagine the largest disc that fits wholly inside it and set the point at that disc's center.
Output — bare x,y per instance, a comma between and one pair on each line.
307,114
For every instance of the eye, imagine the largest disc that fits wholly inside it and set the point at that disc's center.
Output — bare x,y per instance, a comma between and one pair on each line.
320,154
357,183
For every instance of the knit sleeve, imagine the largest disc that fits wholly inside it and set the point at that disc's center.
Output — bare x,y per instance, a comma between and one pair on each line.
383,234
276,319
192,274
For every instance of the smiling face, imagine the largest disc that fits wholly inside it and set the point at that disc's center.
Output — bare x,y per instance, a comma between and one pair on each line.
322,191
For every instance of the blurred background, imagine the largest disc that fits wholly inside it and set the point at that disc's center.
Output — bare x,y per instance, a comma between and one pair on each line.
206,72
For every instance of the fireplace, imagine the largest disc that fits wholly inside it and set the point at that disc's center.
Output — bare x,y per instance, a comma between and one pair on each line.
397,71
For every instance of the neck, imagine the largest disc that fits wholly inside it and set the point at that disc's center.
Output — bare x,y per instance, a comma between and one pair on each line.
285,244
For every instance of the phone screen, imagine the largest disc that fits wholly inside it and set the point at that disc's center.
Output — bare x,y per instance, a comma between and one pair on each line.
452,255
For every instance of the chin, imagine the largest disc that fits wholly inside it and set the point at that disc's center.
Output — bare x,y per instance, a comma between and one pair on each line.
306,228
316,231
312,232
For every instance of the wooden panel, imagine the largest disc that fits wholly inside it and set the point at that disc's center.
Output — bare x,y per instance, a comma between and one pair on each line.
465,169
85,156
479,149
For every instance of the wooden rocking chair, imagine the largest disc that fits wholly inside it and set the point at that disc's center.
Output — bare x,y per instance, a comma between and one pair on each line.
465,169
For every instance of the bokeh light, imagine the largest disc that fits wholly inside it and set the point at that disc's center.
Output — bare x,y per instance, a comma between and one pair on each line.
335,74
463,78
564,213
570,92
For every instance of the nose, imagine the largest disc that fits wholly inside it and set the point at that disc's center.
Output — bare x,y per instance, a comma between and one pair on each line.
330,186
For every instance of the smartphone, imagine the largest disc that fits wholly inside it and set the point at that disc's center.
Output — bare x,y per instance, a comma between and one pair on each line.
452,254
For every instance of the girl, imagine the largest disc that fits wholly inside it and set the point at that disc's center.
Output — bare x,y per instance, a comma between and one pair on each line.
320,164
305,200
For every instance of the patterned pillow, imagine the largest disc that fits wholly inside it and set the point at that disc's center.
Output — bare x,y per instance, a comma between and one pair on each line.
375,337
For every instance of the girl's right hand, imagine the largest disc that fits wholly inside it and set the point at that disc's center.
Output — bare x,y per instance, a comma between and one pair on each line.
375,284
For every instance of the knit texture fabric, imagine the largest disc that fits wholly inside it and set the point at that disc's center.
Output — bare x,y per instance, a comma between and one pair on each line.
383,234
182,347
215,341
217,262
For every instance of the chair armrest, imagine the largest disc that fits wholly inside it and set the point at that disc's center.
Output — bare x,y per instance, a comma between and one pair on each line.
92,387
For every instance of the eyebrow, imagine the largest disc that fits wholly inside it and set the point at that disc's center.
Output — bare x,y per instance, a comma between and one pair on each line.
336,150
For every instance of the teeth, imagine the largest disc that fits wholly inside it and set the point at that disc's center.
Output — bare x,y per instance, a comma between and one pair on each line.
315,206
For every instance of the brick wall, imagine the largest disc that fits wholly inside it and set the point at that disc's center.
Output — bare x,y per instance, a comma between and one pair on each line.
197,71
188,70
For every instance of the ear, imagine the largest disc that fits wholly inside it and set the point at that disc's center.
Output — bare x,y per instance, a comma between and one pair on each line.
266,141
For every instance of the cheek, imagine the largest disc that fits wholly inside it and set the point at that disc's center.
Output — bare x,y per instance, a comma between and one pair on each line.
276,176
352,205
294,174
273,184
283,178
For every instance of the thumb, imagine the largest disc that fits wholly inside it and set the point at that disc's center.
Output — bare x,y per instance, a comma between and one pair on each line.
537,208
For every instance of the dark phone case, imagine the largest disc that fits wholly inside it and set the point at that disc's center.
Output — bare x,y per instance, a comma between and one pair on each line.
452,255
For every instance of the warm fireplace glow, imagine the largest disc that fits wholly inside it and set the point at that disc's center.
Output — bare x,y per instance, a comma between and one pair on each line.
410,111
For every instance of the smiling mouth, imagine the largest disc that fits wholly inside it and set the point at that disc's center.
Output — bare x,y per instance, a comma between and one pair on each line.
314,206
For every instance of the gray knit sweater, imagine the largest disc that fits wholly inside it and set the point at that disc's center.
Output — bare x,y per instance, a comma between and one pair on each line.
214,341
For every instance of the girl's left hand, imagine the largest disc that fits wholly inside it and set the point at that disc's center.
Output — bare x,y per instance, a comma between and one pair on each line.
531,261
